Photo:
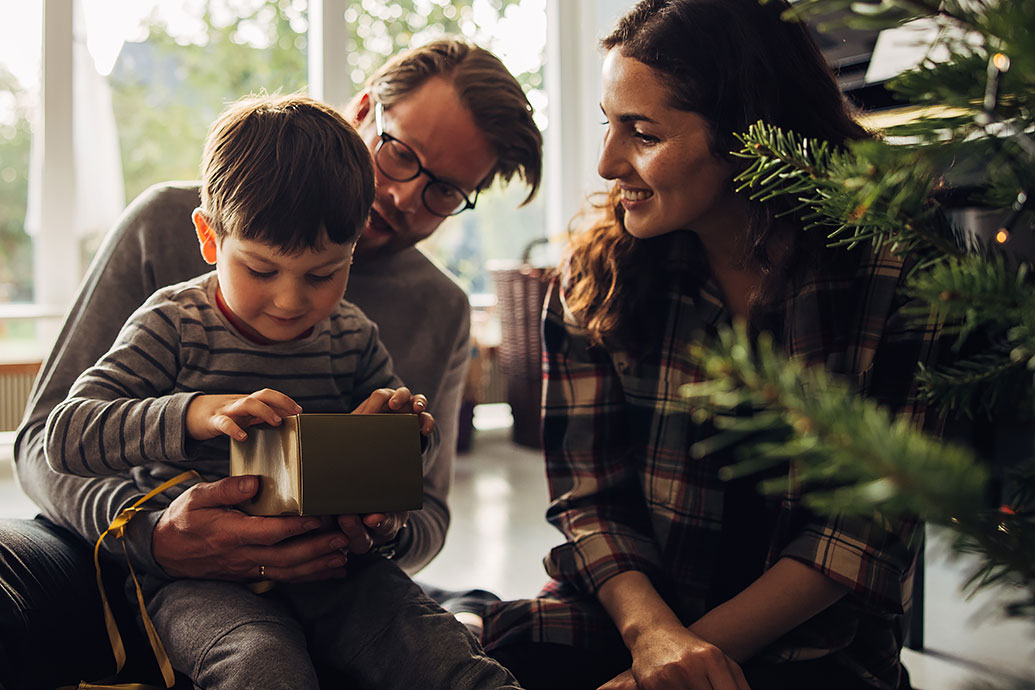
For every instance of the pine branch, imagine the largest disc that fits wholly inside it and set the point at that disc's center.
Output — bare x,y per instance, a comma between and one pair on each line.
870,193
850,455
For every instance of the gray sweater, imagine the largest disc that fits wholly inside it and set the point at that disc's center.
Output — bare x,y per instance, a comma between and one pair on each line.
129,410
422,314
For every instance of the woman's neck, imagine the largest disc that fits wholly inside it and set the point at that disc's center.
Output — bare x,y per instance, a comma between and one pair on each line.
734,267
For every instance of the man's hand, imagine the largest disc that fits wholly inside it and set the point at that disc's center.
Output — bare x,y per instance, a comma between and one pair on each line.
209,416
202,535
364,531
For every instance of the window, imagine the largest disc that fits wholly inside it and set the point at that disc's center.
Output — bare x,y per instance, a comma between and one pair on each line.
19,102
149,78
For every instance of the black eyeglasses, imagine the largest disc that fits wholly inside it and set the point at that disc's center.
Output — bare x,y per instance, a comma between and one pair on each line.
399,162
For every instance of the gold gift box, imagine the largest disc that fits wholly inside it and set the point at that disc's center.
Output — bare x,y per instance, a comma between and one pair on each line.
333,464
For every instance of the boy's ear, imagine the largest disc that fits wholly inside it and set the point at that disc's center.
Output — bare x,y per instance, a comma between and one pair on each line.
206,236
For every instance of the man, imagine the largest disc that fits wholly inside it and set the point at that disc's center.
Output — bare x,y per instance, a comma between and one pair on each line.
442,122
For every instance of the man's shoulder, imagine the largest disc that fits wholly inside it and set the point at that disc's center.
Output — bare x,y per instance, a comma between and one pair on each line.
155,235
409,271
164,204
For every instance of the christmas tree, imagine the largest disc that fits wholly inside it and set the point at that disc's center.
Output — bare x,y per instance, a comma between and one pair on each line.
969,141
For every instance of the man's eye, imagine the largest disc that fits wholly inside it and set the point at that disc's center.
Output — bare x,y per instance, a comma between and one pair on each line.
446,192
262,275
646,138
402,154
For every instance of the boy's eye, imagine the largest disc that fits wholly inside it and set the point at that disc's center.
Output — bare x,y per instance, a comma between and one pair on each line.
261,275
313,278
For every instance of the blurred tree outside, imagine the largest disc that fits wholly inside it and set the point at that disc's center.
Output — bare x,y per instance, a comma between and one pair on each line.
168,87
15,135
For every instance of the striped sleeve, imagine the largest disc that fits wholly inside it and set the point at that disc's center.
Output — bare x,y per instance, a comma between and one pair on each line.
595,497
120,413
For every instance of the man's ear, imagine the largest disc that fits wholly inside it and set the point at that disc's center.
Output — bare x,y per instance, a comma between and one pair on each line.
362,109
206,236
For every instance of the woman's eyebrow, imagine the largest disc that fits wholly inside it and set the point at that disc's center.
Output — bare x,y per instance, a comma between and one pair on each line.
630,117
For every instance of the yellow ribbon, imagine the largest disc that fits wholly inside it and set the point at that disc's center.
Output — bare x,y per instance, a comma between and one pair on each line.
118,528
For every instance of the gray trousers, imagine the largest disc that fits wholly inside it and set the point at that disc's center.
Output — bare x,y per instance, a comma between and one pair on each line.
374,629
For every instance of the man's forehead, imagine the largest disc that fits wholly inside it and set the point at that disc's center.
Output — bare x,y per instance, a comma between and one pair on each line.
440,128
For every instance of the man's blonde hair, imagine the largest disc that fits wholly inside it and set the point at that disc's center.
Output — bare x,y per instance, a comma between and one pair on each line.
487,89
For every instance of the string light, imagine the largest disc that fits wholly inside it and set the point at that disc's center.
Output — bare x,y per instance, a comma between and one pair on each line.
1001,62
1003,236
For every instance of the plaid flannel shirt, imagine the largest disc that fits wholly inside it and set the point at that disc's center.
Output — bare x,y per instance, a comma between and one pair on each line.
628,495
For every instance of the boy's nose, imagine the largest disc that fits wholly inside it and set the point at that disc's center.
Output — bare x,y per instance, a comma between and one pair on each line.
290,300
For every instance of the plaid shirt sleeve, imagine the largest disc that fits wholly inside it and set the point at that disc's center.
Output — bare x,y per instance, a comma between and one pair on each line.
596,500
874,557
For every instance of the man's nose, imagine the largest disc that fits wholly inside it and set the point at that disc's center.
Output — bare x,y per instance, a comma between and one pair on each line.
406,196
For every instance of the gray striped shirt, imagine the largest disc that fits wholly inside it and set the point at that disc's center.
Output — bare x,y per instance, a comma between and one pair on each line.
129,409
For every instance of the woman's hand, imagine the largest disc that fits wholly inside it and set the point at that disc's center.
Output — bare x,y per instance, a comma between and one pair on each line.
209,416
673,658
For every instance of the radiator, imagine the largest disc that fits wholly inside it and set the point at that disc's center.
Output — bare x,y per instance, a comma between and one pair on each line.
15,385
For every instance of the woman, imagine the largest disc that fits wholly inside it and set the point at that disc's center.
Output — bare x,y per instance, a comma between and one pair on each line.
669,577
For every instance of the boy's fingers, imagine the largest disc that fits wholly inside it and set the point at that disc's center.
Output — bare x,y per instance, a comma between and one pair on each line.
375,403
399,398
226,425
427,423
280,402
419,403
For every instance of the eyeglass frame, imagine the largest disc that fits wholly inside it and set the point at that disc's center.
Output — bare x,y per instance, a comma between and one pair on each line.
379,121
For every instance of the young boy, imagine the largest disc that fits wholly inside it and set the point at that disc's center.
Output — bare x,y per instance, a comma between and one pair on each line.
287,185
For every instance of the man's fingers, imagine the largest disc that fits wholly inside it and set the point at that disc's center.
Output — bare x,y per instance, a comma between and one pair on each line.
306,558
356,533
268,531
229,491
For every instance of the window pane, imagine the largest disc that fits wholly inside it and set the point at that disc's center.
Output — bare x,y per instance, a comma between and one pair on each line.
180,64
515,30
20,40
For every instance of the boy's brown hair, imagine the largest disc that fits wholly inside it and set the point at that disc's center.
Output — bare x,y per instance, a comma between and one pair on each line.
500,109
281,169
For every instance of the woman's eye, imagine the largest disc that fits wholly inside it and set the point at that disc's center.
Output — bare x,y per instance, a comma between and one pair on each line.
262,275
646,138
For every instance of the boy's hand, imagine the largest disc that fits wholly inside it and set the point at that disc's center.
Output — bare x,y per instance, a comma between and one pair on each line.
398,400
209,416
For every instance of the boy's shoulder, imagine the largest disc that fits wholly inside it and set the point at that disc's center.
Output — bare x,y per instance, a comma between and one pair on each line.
189,295
348,317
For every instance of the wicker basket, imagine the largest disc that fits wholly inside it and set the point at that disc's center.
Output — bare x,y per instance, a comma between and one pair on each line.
520,293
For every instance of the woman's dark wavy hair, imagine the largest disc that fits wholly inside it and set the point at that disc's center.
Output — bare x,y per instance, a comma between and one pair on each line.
734,62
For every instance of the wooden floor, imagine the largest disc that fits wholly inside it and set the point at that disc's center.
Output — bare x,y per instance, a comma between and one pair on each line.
499,536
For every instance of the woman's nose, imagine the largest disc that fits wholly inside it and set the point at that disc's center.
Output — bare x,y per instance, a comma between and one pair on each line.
609,165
